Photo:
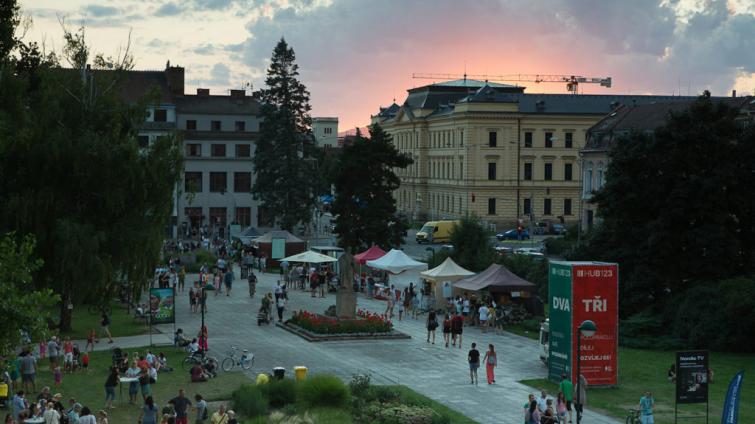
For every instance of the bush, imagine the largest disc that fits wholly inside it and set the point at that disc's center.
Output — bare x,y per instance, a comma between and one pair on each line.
366,322
396,413
280,392
359,385
249,401
323,390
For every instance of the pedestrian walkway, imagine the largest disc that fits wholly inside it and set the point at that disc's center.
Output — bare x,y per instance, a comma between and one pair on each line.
433,370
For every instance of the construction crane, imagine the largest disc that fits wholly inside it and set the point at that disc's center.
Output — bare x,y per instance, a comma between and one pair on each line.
572,81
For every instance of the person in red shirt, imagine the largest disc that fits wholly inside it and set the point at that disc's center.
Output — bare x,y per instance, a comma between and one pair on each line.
313,281
457,326
67,355
85,361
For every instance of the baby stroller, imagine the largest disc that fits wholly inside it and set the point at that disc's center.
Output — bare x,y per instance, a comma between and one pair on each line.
263,317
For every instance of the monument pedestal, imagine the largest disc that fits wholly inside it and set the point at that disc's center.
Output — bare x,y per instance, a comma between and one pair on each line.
346,303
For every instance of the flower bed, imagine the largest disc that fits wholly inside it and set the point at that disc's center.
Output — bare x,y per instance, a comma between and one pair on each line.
367,322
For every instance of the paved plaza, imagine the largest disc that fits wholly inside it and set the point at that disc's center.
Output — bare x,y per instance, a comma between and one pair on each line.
433,370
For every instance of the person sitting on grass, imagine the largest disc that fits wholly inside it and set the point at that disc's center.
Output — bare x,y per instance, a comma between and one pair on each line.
163,361
198,374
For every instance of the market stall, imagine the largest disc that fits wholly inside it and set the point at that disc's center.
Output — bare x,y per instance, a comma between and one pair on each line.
278,244
370,254
441,279
401,269
503,285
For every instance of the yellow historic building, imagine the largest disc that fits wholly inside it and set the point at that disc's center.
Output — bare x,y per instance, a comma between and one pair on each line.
492,150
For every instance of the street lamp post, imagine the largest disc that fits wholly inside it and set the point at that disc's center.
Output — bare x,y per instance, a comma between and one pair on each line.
586,329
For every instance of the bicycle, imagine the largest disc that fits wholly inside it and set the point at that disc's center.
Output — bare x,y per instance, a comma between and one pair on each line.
207,362
245,361
633,417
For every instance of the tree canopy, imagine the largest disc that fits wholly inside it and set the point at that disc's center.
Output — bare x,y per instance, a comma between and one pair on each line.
471,244
677,207
364,183
72,174
282,161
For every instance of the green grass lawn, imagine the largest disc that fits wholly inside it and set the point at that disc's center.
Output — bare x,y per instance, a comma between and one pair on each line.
121,323
89,388
641,370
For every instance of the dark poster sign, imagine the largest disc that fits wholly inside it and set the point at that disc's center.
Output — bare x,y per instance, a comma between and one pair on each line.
692,377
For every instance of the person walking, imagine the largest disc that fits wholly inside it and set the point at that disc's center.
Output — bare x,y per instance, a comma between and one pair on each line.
149,412
28,371
446,329
491,361
202,337
533,414
252,280
473,357
457,327
581,400
567,389
483,314
192,300
53,349
280,304
181,405
432,324
228,279
389,306
110,383
105,326
647,403
561,410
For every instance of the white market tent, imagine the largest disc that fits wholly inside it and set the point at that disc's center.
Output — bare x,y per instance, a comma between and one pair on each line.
442,276
309,257
396,262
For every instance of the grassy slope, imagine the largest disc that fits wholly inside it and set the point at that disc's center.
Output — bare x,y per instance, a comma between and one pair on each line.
88,388
122,324
641,370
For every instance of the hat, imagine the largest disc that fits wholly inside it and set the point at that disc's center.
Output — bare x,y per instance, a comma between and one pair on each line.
77,406
57,396
231,413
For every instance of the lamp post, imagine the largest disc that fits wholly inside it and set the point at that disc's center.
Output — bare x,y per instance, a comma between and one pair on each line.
586,329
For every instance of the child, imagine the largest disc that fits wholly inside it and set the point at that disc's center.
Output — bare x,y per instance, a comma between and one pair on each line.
58,376
68,355
102,417
42,348
91,339
85,361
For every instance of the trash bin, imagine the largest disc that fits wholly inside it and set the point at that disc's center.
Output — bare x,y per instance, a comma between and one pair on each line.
262,379
279,373
301,373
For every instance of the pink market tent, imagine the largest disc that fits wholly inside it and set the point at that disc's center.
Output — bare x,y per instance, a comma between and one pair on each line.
370,254
495,278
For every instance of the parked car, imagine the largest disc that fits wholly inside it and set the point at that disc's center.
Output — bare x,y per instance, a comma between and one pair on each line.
559,229
513,235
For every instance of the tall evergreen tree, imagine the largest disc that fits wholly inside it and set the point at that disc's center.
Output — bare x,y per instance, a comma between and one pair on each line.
284,172
364,184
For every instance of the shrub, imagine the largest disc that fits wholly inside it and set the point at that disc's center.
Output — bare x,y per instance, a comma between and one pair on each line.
249,401
323,390
366,322
396,413
359,385
280,392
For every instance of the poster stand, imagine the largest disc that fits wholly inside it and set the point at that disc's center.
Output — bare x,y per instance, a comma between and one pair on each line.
692,373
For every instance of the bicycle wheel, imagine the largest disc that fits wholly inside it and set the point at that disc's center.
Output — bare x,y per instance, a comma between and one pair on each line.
188,363
212,363
228,364
248,362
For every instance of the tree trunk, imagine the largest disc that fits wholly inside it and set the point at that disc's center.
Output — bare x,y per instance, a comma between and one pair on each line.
66,315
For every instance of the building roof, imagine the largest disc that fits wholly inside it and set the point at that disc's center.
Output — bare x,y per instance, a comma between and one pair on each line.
217,105
644,118
471,83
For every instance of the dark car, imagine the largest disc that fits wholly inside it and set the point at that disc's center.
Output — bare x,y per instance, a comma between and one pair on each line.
513,235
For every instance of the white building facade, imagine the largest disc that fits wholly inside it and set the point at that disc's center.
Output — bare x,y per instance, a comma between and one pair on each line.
325,131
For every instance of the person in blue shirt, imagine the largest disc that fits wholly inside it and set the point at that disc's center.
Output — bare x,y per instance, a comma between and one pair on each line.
646,408
19,404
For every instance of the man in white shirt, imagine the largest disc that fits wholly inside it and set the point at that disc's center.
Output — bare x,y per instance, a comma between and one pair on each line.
542,401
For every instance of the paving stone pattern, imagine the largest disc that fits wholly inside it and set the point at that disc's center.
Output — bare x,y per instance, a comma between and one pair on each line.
433,370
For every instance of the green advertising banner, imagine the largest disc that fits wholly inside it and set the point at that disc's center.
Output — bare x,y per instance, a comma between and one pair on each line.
162,306
560,304
278,248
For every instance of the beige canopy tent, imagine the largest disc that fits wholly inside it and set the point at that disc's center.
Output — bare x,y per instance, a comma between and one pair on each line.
309,257
442,275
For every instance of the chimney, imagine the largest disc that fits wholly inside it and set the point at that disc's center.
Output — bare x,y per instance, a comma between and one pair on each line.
203,91
238,94
175,77
733,93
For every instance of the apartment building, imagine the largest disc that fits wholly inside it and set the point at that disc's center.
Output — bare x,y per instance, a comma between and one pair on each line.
325,131
493,150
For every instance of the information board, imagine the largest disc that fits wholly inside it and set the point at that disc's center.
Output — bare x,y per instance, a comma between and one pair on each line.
560,300
692,376
162,306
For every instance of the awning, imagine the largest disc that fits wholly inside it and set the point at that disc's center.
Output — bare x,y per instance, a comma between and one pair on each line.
309,257
396,261
496,277
447,271
370,254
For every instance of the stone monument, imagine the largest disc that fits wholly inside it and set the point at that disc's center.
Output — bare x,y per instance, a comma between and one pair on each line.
346,299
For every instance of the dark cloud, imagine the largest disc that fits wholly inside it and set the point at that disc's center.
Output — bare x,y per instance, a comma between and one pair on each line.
169,9
99,11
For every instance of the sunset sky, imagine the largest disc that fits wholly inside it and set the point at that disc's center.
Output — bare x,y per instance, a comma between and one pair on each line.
356,55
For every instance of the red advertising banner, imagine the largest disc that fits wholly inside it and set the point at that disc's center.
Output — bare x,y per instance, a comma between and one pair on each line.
596,297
